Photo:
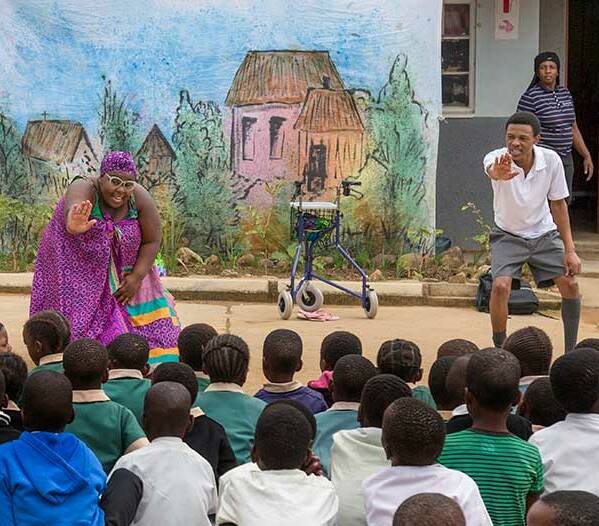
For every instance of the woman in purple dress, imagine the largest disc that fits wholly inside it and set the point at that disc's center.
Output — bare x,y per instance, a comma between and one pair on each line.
95,263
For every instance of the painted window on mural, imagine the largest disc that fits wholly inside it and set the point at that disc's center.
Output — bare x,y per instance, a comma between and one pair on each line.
248,131
277,137
457,55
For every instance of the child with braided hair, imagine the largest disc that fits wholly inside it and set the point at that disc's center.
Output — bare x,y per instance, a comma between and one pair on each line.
45,335
226,360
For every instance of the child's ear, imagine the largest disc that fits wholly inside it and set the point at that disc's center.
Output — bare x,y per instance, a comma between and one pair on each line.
72,416
145,370
111,364
300,364
518,399
189,423
384,443
254,454
419,375
468,398
523,410
323,365
39,348
4,401
104,377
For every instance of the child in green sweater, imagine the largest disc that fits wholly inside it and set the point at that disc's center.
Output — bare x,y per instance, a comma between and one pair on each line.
45,335
192,341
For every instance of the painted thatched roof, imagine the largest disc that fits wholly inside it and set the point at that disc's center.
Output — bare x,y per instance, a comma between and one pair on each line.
328,110
52,140
156,138
281,76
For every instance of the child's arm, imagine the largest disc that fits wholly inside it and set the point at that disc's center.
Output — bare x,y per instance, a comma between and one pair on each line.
8,518
121,498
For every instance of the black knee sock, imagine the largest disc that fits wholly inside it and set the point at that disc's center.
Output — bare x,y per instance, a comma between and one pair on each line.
499,338
570,319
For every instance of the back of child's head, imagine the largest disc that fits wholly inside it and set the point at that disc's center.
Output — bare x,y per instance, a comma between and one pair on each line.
166,410
401,358
429,509
192,342
565,508
378,394
180,373
437,377
413,433
282,351
85,362
575,380
455,383
539,404
302,408
226,358
129,351
533,348
588,343
456,347
336,345
283,437
46,332
350,376
492,378
14,369
47,402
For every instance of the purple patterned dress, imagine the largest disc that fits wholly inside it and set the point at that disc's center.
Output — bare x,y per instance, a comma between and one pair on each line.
77,275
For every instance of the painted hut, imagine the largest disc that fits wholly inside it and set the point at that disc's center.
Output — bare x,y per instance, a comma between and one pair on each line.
155,160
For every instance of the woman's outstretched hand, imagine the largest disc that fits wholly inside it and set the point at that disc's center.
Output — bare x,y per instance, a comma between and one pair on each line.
78,221
128,288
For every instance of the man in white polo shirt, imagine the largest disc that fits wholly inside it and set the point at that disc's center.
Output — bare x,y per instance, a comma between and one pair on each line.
531,224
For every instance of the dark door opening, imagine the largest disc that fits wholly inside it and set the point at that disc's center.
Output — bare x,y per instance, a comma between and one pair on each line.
316,173
583,82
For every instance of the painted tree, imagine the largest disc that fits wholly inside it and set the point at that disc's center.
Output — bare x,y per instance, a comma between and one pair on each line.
14,170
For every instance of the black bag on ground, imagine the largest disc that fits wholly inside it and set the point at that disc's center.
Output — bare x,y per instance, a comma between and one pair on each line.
522,300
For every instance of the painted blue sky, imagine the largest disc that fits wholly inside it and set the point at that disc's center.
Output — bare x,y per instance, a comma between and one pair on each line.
54,52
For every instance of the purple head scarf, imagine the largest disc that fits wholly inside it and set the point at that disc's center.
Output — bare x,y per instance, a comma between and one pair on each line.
121,162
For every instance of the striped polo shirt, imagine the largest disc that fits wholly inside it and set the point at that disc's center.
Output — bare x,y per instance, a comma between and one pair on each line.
555,110
506,470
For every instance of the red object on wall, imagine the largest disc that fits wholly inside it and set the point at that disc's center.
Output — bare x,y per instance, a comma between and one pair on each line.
506,6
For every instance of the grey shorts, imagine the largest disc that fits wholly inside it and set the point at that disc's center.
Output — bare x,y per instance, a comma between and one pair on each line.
544,255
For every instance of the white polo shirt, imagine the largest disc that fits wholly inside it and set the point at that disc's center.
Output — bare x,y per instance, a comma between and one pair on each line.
520,204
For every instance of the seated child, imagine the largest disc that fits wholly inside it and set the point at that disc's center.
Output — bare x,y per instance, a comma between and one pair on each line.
45,335
565,508
461,419
127,367
7,431
358,453
191,343
109,429
48,476
178,485
281,359
4,345
206,436
278,492
429,509
507,469
226,359
333,347
403,359
539,406
14,369
437,377
569,448
354,371
534,351
456,347
413,435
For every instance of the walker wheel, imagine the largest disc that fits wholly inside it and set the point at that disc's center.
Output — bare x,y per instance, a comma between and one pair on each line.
309,297
285,304
371,304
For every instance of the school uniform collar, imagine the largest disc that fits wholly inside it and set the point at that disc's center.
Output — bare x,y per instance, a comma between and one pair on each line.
51,358
460,410
527,380
86,396
196,412
201,375
167,440
225,386
12,406
345,406
445,415
284,387
113,374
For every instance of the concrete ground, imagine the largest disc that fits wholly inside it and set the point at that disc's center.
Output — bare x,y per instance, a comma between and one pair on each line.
427,326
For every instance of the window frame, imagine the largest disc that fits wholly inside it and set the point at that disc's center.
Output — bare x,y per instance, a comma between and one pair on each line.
248,138
276,148
462,111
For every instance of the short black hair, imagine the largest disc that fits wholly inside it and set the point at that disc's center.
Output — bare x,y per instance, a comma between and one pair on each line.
226,358
401,358
378,394
526,118
180,373
437,377
413,431
574,508
338,344
588,343
283,437
455,382
85,360
15,374
429,509
493,378
542,407
456,347
192,342
533,348
129,351
50,328
282,350
2,388
302,408
47,401
350,376
575,380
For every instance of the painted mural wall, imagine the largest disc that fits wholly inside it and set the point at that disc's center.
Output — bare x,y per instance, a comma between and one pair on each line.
225,104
